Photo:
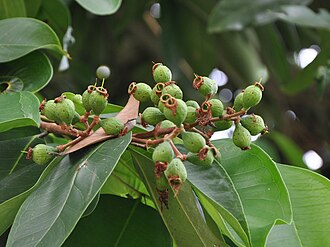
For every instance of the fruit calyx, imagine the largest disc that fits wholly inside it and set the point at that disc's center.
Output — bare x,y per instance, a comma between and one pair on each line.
171,103
198,81
160,167
132,88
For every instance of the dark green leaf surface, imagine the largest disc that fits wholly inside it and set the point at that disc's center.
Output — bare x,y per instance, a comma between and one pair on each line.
260,187
32,7
34,70
120,222
50,213
10,9
100,7
183,219
20,36
310,199
18,109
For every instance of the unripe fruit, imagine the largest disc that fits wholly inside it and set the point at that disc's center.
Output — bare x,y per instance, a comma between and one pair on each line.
156,93
112,126
85,98
162,100
161,73
76,118
77,98
222,124
241,137
176,172
64,111
207,161
152,116
175,110
205,85
103,72
167,124
192,103
49,111
98,100
192,115
254,124
252,95
141,91
238,102
162,183
193,142
163,152
216,107
173,90
41,154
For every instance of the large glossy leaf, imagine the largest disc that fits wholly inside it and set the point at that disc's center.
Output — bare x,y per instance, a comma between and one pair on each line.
100,7
215,185
183,219
283,235
120,222
32,7
20,36
50,213
310,198
18,109
33,70
230,15
10,8
260,187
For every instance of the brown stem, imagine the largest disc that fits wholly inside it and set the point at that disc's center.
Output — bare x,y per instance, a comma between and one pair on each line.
207,139
61,148
229,116
154,132
139,145
84,119
177,153
96,120
57,129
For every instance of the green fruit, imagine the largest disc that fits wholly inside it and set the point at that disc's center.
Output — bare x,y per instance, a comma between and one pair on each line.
77,98
175,110
98,100
85,98
163,152
241,137
162,100
216,107
238,102
152,115
64,111
173,90
193,142
254,124
207,161
192,115
103,72
251,96
192,103
49,111
112,126
167,124
176,169
141,91
161,73
205,85
161,183
156,93
222,125
41,154
76,118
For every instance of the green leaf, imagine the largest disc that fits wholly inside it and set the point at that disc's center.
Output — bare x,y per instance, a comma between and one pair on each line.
215,185
10,84
33,70
56,14
12,8
20,36
183,219
32,7
310,198
120,222
100,7
64,195
230,15
18,109
260,187
283,235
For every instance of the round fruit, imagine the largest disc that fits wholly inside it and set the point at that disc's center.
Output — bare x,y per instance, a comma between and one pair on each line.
193,142
167,124
152,115
207,161
216,107
222,125
98,100
252,96
49,111
238,102
161,73
64,111
85,98
176,169
192,115
175,110
163,152
241,137
254,124
192,103
156,93
112,126
205,85
141,91
174,90
41,154
103,72
77,98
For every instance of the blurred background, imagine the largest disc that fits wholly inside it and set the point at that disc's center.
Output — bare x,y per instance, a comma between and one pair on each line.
286,44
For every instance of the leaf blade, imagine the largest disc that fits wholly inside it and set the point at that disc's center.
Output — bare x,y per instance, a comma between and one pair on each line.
100,7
